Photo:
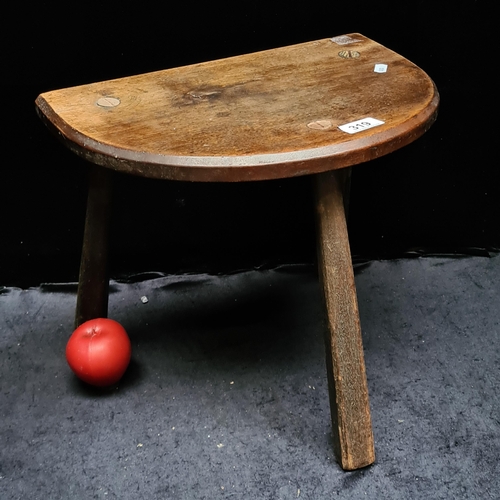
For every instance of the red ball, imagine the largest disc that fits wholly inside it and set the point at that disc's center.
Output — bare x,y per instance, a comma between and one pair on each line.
99,352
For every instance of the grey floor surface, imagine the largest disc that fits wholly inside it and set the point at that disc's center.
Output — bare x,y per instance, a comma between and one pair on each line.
226,396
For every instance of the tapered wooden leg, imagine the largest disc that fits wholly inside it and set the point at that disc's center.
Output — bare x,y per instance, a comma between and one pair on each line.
93,284
349,403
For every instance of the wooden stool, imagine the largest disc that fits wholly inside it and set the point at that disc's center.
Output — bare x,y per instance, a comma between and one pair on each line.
313,108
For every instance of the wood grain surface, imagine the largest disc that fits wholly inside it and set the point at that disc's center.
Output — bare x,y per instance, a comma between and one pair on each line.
347,385
269,114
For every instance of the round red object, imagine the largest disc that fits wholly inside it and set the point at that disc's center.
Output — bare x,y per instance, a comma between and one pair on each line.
99,352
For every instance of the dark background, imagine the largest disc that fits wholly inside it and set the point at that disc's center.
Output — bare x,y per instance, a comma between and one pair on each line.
439,194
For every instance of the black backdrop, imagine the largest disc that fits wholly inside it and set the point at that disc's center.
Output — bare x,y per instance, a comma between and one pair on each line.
439,194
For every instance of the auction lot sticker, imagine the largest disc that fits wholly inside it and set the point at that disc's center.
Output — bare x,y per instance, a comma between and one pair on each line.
360,125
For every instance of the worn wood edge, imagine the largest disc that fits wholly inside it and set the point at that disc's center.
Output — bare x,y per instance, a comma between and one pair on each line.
241,168
348,388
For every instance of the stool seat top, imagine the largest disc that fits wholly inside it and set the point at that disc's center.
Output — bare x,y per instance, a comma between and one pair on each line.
283,112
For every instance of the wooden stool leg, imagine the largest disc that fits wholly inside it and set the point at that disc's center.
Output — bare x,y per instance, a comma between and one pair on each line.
93,284
348,388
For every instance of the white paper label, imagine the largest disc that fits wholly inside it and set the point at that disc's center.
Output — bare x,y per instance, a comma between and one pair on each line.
360,125
380,68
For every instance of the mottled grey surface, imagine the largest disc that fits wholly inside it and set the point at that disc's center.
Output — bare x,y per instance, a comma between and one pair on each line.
226,396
